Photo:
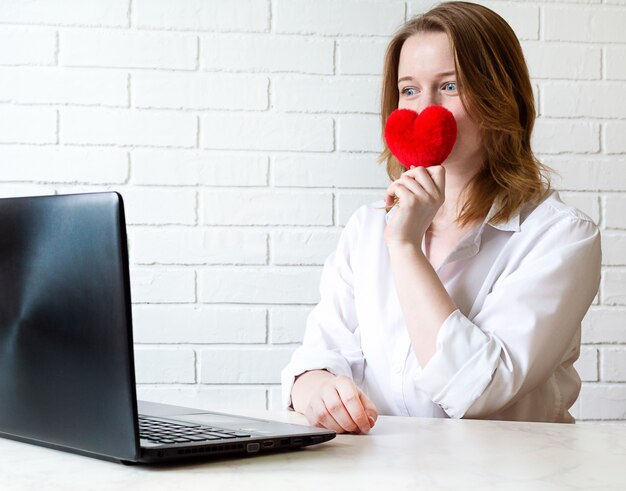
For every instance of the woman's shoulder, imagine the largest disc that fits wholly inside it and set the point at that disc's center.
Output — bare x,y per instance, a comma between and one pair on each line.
368,214
552,212
365,223
554,206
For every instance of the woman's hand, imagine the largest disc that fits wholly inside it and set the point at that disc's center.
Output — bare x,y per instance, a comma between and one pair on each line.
421,192
339,405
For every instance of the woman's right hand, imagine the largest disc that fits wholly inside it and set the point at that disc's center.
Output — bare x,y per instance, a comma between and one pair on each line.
338,404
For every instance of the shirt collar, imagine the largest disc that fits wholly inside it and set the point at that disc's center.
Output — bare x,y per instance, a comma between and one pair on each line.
475,238
512,225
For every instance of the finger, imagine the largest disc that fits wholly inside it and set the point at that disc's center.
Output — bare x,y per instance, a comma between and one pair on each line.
395,188
370,409
349,394
433,170
407,198
336,408
318,415
390,192
438,174
426,179
423,187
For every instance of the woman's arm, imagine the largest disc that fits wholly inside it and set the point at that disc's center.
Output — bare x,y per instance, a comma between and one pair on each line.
525,328
320,380
425,302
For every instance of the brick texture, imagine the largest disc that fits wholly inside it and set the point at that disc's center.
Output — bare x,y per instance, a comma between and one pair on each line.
243,135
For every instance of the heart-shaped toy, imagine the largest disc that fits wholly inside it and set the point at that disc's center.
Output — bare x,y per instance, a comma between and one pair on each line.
422,139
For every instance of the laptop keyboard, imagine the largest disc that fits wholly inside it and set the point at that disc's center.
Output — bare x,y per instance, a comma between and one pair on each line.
167,432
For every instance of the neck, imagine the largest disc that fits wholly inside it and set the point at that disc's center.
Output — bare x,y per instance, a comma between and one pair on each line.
458,174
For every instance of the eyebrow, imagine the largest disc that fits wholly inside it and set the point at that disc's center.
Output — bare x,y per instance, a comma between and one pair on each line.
442,74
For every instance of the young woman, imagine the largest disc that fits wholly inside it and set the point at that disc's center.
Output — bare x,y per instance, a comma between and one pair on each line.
465,299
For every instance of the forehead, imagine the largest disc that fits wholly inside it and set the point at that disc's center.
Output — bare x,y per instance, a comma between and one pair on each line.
425,54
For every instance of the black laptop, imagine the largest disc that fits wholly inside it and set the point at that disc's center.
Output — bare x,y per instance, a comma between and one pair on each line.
67,378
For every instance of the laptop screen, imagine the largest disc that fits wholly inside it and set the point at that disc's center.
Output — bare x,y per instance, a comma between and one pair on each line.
66,364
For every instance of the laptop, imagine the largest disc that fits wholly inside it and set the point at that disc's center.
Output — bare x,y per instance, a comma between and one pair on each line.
67,378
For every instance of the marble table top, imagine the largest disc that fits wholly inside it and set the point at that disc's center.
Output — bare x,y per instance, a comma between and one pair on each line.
399,453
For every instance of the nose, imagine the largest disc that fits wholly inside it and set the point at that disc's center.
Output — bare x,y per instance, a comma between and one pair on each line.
426,99
422,101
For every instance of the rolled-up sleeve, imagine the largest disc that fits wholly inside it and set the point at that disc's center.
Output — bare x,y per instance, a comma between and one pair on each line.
523,330
331,339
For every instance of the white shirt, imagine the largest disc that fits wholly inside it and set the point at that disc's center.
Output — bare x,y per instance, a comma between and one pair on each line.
522,289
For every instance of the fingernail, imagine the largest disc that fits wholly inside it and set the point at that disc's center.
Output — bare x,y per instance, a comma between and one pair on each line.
372,421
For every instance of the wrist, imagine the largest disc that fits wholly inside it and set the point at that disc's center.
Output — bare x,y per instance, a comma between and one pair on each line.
403,248
305,385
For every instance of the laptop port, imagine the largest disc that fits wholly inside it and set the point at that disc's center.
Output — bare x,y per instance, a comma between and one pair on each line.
253,447
268,444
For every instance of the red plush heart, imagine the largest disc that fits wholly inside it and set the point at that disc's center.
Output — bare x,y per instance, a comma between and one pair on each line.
422,139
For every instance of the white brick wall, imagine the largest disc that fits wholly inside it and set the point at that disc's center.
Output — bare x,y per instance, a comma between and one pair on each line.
267,53
28,124
128,49
54,85
27,47
93,13
243,135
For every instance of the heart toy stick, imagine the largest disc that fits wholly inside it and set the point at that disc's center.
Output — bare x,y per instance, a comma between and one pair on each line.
422,139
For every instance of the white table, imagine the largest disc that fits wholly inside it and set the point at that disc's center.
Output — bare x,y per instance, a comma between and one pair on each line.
399,453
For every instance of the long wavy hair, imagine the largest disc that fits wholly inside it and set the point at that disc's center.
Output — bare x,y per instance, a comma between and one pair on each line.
494,86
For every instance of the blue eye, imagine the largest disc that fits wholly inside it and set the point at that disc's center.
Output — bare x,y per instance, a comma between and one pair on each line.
450,87
409,91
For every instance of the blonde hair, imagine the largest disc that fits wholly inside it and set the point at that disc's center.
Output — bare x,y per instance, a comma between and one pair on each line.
494,85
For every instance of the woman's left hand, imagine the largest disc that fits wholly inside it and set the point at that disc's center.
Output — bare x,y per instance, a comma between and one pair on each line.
421,192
